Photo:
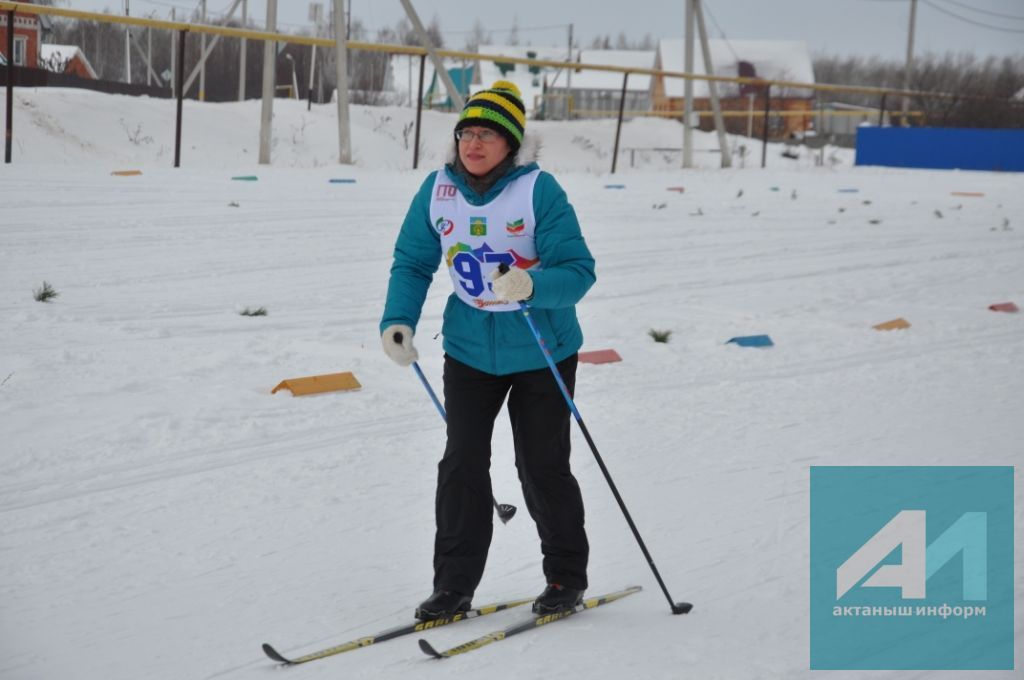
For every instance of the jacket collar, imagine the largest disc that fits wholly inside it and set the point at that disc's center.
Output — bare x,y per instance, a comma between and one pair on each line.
476,199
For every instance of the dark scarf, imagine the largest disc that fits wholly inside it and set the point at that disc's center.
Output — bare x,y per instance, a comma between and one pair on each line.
481,185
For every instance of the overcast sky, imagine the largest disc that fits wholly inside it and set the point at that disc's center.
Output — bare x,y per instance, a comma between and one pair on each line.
862,27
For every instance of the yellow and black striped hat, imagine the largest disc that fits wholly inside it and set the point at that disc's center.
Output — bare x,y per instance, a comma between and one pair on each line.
499,108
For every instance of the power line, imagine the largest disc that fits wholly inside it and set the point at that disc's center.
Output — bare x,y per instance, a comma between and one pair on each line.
560,27
985,11
721,32
971,21
188,10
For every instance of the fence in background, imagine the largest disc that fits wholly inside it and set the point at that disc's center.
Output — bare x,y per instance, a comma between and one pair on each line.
942,148
183,30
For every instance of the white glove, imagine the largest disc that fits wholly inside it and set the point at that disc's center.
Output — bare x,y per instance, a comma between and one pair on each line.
397,341
512,286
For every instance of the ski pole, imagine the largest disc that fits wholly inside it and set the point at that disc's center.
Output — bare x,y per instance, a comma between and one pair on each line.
677,607
505,511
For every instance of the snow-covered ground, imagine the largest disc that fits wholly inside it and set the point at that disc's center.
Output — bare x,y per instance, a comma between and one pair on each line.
162,514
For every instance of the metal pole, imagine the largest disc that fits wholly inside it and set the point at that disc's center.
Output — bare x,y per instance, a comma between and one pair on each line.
295,79
241,66
174,57
688,89
505,511
677,607
764,133
568,74
127,48
149,57
181,97
202,53
716,109
751,96
341,71
269,59
821,133
9,132
419,115
881,110
910,60
312,73
618,128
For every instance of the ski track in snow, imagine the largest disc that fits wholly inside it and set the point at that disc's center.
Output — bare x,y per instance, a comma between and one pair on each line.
161,514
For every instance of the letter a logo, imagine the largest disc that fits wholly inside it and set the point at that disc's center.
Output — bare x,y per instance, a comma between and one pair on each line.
967,537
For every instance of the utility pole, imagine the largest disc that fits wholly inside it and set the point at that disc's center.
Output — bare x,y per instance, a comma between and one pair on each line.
442,72
688,89
723,143
341,71
269,59
568,76
127,47
316,11
174,57
241,65
202,53
910,60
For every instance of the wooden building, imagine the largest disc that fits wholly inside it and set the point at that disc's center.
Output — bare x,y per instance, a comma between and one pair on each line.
766,59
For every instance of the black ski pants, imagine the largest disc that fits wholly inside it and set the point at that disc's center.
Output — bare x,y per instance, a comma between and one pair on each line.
540,431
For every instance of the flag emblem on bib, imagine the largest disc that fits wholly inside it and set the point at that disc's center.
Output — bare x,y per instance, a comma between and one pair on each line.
478,226
515,228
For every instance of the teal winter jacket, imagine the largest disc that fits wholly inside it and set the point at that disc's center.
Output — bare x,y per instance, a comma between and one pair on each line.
498,342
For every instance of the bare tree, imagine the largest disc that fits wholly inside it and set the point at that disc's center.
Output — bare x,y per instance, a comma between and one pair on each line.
479,36
981,89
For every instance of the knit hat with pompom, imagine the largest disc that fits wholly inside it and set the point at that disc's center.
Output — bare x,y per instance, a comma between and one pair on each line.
499,108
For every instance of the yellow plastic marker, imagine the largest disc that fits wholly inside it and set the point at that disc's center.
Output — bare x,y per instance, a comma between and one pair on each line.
316,384
126,173
895,324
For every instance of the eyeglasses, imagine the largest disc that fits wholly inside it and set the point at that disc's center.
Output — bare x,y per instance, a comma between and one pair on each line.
485,136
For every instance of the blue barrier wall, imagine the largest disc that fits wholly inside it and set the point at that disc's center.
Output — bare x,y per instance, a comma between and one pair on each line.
941,148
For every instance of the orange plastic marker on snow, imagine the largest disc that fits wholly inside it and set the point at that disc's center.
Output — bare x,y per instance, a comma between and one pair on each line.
317,384
600,356
126,173
1004,307
895,324
974,194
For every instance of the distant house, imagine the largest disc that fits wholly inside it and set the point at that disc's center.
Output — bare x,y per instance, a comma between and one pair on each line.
530,80
67,59
28,35
764,59
598,93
